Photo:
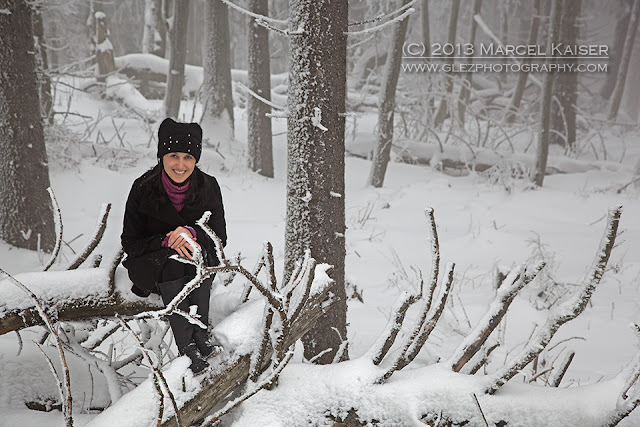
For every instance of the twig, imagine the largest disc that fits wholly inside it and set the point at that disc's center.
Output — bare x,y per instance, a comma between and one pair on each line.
558,374
475,400
67,403
57,217
381,26
383,16
94,240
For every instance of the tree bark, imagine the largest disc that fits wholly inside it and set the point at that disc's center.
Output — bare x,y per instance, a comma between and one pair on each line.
441,113
522,76
26,217
315,142
465,89
616,97
218,99
565,89
178,48
382,151
104,48
259,125
545,104
42,68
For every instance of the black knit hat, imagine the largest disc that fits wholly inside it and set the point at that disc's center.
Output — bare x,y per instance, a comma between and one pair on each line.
179,137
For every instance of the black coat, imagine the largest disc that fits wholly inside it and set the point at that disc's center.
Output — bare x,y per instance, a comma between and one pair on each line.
149,216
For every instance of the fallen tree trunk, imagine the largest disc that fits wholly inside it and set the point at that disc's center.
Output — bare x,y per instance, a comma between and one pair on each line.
68,295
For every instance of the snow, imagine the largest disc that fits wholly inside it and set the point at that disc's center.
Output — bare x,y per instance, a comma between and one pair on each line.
481,227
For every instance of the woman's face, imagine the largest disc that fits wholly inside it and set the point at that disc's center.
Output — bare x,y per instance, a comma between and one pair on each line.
179,166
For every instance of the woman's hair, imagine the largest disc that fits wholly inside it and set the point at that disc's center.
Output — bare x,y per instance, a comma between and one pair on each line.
153,179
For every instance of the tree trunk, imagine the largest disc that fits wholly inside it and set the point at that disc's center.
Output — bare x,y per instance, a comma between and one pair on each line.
441,114
522,76
104,48
465,89
565,89
26,217
426,36
178,48
218,99
315,170
545,103
381,153
259,125
153,28
624,62
617,47
42,68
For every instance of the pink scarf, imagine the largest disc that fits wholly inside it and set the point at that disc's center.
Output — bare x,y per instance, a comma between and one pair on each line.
177,193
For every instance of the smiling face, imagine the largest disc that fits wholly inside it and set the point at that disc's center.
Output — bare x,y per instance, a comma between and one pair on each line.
178,166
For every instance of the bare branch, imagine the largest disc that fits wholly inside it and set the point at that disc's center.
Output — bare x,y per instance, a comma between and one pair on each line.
260,356
565,312
515,281
61,389
255,15
202,222
157,373
479,359
475,400
58,223
67,403
94,240
383,344
260,98
256,270
381,26
383,16
309,268
113,265
558,374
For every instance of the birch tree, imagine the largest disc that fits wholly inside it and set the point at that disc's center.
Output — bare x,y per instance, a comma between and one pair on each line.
259,125
218,100
382,151
545,103
178,52
315,157
26,218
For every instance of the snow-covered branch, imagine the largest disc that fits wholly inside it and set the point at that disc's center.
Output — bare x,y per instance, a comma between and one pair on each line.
515,281
565,312
395,20
384,16
260,98
94,240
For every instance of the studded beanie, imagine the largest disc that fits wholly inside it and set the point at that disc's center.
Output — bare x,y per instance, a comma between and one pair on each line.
179,137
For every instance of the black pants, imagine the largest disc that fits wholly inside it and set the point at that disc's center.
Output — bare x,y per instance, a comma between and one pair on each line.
174,276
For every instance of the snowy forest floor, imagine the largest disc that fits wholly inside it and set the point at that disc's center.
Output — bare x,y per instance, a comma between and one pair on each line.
481,227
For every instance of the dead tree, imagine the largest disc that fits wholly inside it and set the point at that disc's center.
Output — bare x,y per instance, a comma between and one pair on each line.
177,42
565,87
258,123
25,212
545,102
516,98
441,113
465,88
387,104
104,48
616,97
218,99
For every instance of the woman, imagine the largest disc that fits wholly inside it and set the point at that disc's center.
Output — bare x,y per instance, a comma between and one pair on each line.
163,203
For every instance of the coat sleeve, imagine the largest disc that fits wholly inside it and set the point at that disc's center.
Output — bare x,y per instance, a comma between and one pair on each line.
134,241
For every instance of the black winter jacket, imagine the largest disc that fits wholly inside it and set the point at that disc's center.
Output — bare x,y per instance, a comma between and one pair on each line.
148,218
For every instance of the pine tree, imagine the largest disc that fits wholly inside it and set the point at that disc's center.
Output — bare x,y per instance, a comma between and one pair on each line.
315,172
26,218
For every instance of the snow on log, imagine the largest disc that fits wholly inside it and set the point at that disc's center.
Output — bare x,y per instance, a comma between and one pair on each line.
69,295
241,334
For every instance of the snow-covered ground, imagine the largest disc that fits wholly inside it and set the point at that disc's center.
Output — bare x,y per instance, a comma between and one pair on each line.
481,227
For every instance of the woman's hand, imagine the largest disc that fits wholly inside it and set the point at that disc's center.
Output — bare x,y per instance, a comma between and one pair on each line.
179,243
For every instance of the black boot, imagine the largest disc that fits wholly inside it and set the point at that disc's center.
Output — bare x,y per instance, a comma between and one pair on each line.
207,346
198,364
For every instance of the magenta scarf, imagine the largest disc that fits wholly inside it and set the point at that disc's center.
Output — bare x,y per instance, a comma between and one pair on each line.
177,193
